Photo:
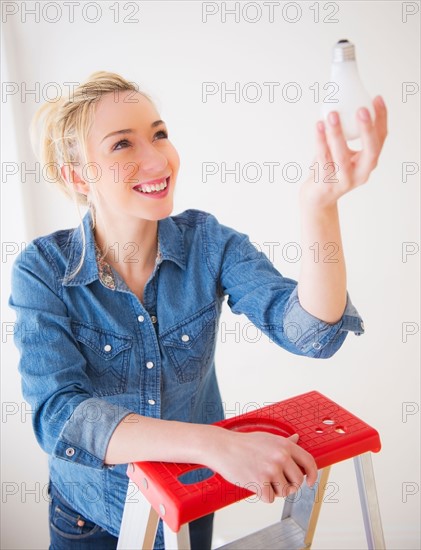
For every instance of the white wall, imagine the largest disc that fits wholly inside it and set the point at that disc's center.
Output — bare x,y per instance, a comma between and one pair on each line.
170,52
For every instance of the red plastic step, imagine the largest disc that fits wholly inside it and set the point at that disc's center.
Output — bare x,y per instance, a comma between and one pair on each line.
327,431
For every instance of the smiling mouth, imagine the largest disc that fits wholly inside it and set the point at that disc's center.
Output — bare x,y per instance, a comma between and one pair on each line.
154,188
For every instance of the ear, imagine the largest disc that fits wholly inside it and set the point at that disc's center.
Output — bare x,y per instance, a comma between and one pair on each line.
72,178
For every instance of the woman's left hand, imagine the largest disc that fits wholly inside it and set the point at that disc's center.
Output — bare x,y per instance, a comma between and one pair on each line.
337,169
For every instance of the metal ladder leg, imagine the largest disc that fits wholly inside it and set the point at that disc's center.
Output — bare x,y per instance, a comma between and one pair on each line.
304,510
139,523
177,541
369,502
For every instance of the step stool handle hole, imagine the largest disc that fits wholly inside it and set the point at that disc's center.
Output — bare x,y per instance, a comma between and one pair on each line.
191,476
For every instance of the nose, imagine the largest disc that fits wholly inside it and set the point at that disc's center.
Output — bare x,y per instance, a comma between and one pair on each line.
150,160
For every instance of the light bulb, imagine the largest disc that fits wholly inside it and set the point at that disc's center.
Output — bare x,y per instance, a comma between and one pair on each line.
351,94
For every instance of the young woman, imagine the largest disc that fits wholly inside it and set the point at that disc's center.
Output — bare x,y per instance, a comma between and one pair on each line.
117,319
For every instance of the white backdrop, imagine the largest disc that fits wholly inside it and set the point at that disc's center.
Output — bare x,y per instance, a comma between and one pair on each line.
171,52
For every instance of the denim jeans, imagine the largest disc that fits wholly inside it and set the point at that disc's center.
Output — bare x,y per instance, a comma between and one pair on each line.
68,529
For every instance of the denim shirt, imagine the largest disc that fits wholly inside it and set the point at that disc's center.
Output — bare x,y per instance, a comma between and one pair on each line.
91,352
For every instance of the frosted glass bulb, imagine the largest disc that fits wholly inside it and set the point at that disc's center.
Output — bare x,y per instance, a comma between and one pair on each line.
351,94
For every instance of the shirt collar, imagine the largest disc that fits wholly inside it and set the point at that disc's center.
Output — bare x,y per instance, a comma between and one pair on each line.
170,247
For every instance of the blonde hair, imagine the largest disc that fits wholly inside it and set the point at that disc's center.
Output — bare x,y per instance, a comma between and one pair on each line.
59,132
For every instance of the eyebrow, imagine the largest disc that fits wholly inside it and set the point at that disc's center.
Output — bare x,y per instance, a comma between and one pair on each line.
130,130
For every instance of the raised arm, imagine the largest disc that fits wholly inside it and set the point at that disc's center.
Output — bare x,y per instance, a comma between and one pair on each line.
337,170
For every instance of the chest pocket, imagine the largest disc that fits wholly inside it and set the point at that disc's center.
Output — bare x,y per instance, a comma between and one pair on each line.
107,357
190,344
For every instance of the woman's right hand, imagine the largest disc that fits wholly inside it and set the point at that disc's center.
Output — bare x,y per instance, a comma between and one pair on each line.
264,463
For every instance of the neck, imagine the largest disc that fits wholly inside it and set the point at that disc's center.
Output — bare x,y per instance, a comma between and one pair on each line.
130,245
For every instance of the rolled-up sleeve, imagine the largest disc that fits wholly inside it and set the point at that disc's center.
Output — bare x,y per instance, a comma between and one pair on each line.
85,435
68,421
270,300
314,337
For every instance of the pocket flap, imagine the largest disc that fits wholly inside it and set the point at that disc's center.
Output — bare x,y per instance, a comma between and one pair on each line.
105,343
185,334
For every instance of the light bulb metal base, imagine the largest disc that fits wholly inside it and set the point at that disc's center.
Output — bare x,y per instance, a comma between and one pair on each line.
343,51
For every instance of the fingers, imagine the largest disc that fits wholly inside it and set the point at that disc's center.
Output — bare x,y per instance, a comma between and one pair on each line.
380,122
277,465
294,479
294,438
307,463
305,460
370,152
337,144
326,165
373,135
290,476
287,483
274,489
322,148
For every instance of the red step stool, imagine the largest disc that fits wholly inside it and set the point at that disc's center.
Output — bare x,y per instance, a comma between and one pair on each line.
327,431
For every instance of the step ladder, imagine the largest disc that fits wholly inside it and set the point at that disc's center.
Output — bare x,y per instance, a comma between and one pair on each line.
327,431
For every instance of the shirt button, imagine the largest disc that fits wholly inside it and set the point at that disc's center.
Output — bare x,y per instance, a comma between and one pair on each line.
153,319
151,401
140,318
70,451
317,345
185,337
107,347
149,365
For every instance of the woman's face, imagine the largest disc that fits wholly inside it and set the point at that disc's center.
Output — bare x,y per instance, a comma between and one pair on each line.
137,164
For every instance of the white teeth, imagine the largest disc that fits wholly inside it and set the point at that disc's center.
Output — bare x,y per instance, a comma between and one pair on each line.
147,188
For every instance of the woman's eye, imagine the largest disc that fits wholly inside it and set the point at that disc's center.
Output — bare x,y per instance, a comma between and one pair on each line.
125,142
162,133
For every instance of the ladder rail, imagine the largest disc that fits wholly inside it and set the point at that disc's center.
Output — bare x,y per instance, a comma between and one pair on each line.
304,506
139,523
176,541
369,501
